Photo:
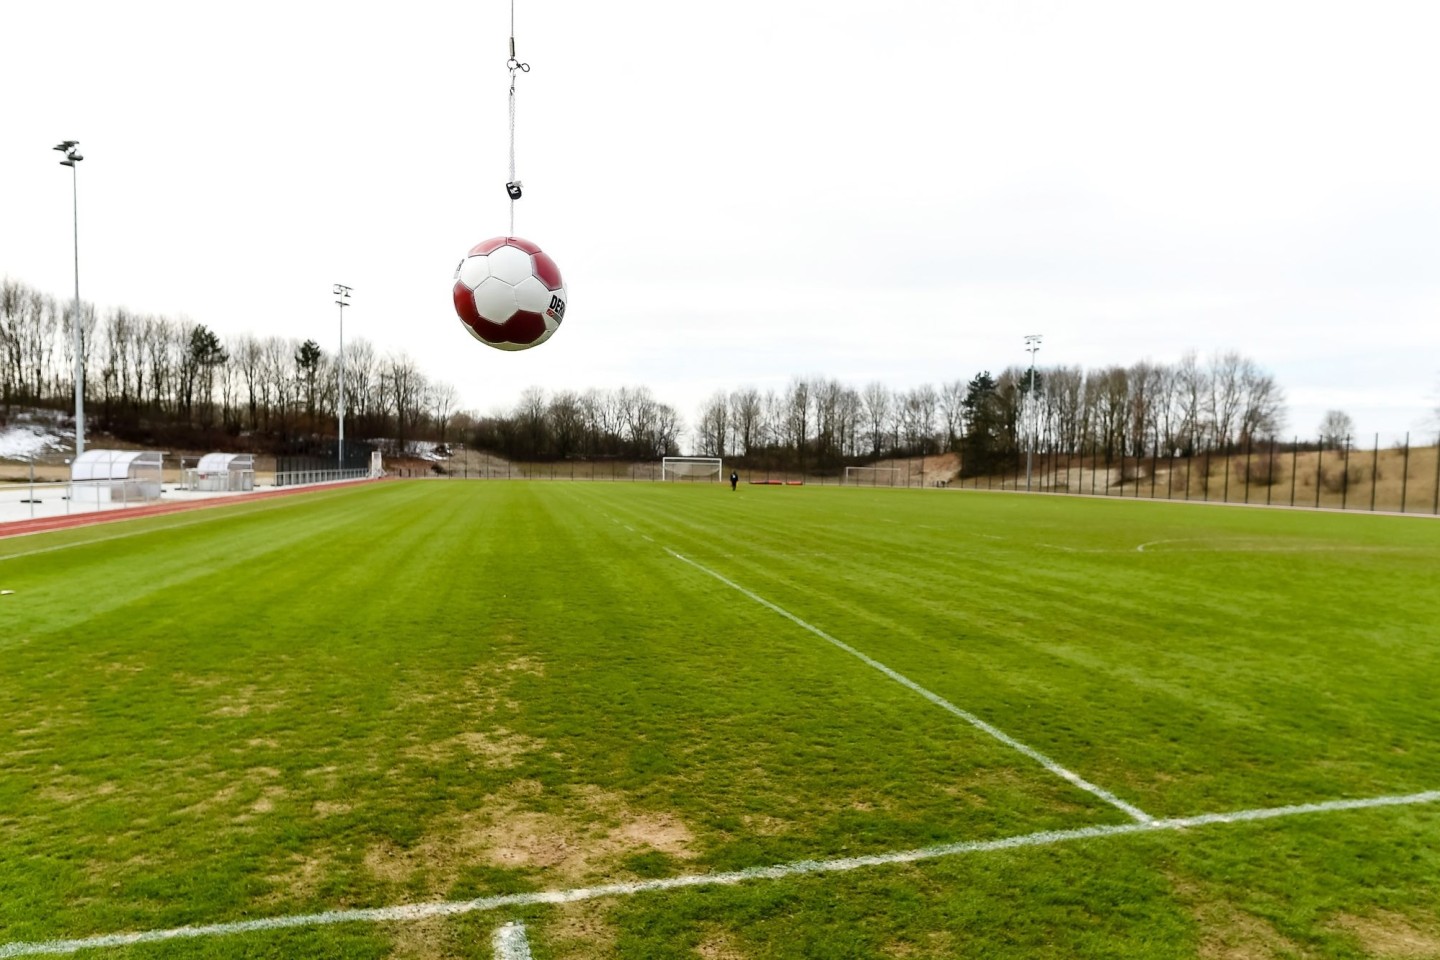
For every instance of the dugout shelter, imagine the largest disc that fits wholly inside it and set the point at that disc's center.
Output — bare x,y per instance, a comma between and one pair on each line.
222,473
116,476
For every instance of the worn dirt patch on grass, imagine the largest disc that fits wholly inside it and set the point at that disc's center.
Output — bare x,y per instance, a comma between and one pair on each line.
580,930
499,747
1393,936
719,945
1228,933
584,843
937,943
434,938
299,880
1243,936
69,789
329,808
237,784
246,700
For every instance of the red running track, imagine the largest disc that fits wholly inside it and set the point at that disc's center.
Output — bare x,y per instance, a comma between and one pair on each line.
20,528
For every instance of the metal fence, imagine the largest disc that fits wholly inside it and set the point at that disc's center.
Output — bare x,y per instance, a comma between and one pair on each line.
50,498
1398,478
295,478
1395,478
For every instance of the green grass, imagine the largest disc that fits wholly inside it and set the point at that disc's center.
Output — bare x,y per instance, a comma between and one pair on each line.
444,690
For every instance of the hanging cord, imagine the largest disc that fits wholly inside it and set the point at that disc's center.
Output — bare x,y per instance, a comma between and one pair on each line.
515,66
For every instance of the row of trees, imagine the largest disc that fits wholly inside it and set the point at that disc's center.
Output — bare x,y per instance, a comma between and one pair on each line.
1121,411
172,378
627,423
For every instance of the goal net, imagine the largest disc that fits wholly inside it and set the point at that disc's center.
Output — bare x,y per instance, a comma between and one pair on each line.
877,476
691,468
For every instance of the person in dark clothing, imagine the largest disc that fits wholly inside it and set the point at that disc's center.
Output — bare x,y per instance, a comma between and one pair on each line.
734,479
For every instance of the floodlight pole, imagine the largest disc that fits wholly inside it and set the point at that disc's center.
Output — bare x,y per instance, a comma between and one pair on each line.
342,294
72,160
1032,344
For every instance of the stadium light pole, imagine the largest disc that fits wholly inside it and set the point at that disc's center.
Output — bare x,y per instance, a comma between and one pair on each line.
1032,343
342,297
72,160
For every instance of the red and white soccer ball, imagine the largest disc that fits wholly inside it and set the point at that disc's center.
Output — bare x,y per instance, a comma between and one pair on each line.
509,294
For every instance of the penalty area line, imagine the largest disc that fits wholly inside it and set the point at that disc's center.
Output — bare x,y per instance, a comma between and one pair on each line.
422,911
970,718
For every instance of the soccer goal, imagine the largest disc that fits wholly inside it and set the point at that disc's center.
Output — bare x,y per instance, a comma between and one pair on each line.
877,476
691,468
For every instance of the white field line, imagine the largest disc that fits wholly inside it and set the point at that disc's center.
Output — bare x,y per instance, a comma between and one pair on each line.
94,540
1250,546
422,911
936,699
510,942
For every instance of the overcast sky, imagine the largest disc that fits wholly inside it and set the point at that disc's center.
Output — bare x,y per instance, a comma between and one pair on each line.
740,193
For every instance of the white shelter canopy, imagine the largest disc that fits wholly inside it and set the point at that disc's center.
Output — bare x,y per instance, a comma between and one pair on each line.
115,464
225,462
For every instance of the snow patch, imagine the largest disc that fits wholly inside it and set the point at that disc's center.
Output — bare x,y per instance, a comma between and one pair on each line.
30,436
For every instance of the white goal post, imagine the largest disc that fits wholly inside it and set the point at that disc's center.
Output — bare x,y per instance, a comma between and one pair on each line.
877,476
692,468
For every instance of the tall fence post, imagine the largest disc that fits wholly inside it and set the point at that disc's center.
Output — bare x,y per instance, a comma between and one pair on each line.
1270,471
1319,470
1374,472
1405,471
1247,467
1225,494
1436,508
1345,476
1295,465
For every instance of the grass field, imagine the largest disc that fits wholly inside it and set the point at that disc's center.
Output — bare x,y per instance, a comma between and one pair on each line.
456,705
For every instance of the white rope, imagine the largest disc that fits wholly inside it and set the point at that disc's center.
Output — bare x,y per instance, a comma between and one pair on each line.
512,151
512,185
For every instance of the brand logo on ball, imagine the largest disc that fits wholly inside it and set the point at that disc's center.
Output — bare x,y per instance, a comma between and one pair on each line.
557,309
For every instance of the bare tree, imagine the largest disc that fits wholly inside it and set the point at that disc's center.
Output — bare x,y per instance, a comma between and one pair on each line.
443,399
713,425
1143,381
565,423
1262,403
1335,428
745,419
878,404
797,417
404,384
952,411
1227,391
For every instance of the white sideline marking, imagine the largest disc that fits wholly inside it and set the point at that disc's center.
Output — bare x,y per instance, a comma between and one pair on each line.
936,699
1231,545
510,942
422,911
94,540
259,505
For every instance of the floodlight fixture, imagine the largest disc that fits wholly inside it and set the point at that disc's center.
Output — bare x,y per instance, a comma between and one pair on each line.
1032,344
342,297
72,159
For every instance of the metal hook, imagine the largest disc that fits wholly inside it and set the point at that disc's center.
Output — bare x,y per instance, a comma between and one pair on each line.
514,65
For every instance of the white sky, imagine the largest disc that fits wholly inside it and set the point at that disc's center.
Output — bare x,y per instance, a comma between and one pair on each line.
739,193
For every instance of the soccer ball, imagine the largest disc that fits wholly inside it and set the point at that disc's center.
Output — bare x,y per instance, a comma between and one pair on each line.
509,294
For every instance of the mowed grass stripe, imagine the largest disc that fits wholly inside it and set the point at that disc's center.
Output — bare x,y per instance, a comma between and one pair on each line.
1182,660
987,728
156,557
349,705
